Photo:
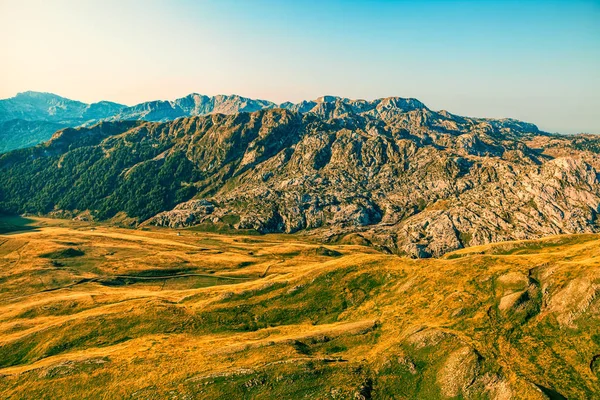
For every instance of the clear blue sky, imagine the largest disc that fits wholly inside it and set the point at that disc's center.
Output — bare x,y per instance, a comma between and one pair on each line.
534,60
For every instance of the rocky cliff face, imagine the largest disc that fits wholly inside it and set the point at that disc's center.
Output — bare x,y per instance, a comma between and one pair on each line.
389,172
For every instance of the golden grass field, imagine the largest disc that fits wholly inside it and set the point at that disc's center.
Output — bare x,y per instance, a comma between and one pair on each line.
90,311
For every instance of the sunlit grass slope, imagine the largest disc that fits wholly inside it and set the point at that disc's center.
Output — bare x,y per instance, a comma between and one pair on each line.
91,311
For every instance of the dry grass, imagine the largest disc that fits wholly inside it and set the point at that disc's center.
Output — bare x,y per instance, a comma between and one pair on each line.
101,312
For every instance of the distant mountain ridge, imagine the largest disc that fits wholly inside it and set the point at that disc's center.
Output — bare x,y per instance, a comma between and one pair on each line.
37,106
191,105
30,117
46,112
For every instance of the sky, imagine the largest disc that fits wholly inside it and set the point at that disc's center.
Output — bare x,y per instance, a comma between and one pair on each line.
537,61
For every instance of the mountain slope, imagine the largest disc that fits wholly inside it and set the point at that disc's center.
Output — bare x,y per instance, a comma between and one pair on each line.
19,133
389,172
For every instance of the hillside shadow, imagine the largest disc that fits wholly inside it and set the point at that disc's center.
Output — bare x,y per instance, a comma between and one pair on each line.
15,224
551,393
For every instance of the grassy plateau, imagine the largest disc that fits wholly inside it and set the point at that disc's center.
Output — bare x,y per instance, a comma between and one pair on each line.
90,311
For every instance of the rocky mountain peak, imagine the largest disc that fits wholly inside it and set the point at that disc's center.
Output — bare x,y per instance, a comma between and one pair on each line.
329,99
30,94
401,104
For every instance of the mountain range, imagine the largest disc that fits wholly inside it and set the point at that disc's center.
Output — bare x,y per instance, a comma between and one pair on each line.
30,117
390,172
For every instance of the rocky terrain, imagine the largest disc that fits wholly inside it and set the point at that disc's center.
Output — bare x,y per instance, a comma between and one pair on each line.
408,179
390,172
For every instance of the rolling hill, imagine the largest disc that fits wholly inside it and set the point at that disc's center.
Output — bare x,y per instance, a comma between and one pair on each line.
94,311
